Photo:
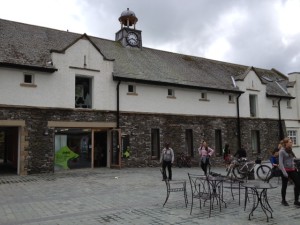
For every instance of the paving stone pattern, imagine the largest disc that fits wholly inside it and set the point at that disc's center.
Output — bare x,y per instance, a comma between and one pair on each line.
126,196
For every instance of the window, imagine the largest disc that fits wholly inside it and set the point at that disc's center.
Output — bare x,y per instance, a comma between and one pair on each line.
28,79
255,142
292,134
155,147
275,103
203,96
171,93
189,142
218,141
288,103
131,88
253,102
83,92
230,99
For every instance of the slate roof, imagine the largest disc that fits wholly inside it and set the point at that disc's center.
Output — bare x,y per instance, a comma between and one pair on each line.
28,45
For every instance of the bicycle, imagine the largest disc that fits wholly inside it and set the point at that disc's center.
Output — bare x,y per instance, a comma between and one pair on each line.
242,168
183,160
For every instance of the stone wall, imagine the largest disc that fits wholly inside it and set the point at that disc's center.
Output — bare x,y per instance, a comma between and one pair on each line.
40,148
172,129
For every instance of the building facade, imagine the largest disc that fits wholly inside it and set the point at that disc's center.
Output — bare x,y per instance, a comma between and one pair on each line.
74,101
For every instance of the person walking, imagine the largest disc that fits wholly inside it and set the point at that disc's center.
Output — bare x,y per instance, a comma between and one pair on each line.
167,159
205,153
275,171
227,156
286,164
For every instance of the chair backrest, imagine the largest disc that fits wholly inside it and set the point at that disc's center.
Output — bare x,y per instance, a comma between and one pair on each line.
199,184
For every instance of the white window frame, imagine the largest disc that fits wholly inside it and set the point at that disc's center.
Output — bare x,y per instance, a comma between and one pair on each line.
289,103
32,80
292,134
253,105
231,98
133,91
171,93
274,102
203,96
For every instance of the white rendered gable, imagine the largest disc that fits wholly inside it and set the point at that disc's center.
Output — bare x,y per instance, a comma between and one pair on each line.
58,89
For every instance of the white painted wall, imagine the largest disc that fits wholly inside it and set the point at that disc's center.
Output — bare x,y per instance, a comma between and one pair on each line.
58,89
154,99
294,123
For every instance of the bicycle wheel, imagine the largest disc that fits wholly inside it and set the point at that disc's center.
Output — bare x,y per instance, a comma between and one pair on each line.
263,172
238,174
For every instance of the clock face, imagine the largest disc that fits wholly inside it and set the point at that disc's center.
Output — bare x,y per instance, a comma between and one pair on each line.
132,39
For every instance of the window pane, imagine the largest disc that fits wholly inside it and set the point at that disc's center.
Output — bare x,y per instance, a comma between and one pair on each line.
28,79
155,151
252,101
292,134
130,88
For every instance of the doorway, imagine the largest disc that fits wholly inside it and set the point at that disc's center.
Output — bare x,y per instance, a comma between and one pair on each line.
100,149
9,145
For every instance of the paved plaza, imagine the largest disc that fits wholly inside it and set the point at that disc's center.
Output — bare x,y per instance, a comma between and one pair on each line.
126,196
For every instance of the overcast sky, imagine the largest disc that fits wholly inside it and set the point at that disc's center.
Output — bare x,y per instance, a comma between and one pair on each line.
260,33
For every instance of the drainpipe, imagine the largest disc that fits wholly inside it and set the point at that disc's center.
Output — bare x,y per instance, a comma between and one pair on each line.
281,135
118,104
238,121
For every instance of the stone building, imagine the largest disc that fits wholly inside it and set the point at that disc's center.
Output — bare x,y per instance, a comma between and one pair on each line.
71,100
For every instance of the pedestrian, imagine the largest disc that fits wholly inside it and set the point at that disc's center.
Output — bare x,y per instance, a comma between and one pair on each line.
286,164
205,153
275,171
241,153
227,156
167,159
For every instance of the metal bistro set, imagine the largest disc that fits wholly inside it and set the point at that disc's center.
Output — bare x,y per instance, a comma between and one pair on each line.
209,192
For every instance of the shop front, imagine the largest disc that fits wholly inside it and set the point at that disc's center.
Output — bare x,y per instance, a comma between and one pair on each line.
86,145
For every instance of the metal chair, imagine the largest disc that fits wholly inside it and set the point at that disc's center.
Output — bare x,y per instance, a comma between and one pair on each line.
175,186
201,191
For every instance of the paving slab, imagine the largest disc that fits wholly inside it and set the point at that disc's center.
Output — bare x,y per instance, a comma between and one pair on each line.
127,196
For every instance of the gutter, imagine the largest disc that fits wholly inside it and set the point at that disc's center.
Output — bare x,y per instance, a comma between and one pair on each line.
118,105
34,68
160,83
281,135
238,121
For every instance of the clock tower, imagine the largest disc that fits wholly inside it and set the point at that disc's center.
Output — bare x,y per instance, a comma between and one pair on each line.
128,35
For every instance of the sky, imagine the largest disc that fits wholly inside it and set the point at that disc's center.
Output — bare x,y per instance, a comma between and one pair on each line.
259,33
